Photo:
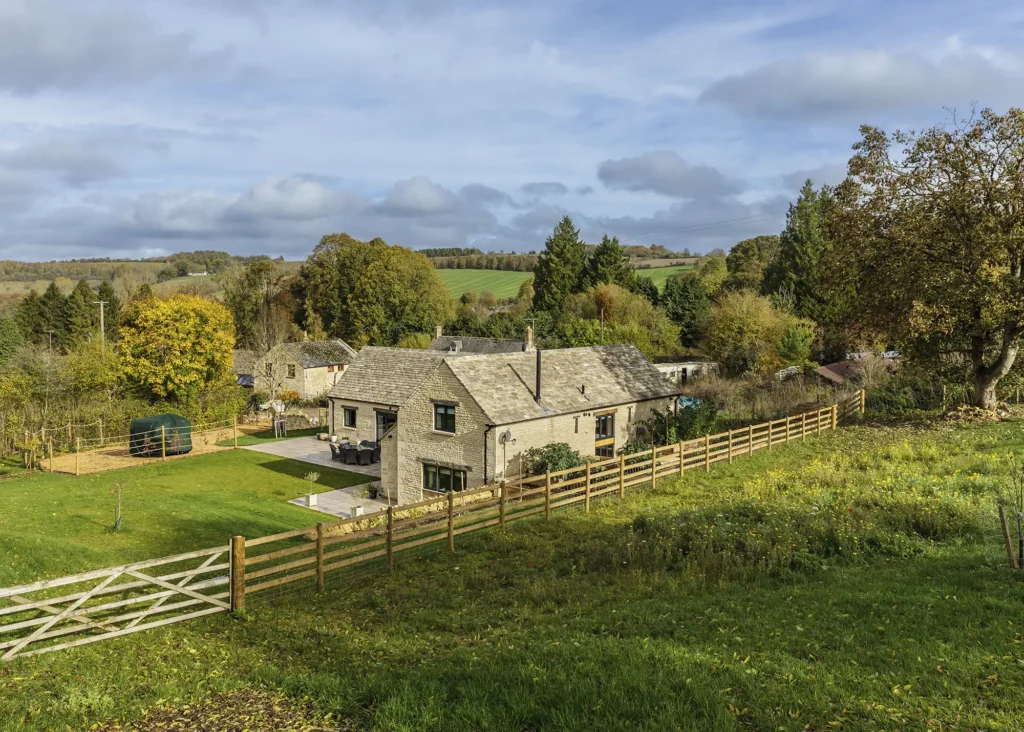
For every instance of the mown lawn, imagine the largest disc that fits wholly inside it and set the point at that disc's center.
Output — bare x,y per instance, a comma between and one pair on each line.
259,438
52,525
852,582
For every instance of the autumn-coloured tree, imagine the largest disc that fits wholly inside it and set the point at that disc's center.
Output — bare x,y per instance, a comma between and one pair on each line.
934,222
178,347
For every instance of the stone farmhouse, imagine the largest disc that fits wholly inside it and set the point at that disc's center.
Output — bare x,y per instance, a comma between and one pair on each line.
310,368
451,421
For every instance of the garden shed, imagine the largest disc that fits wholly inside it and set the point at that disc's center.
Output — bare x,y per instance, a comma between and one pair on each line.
162,434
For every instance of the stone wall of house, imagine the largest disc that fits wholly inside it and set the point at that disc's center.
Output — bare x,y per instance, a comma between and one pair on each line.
275,380
419,443
389,470
320,380
366,419
577,430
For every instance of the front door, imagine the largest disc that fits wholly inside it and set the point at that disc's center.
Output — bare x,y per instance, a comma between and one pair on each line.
385,421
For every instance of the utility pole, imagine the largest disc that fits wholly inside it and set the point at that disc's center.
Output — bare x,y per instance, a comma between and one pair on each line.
51,339
103,332
602,326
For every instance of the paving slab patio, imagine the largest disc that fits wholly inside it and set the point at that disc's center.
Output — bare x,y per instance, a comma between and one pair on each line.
309,449
340,502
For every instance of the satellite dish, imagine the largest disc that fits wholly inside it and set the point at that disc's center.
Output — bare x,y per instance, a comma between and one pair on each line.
506,436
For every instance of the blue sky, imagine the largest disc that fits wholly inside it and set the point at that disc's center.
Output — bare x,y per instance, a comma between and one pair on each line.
141,128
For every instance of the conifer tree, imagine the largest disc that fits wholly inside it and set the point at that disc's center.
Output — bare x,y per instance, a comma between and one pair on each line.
609,264
560,268
112,310
81,315
52,306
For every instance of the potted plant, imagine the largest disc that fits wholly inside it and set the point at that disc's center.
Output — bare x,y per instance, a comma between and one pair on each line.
372,490
334,438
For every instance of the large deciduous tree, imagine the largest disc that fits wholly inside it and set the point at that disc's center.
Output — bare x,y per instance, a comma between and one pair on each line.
255,297
748,260
398,294
560,268
935,221
178,347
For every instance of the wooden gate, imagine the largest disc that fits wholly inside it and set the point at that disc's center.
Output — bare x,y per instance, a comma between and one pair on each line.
84,608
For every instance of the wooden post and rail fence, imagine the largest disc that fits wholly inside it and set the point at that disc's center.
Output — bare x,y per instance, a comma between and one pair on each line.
70,611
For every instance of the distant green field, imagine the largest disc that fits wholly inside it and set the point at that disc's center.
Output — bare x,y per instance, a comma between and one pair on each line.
502,284
660,275
506,284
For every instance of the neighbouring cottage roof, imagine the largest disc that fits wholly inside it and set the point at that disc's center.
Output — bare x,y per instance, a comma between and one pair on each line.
313,354
243,362
386,375
839,371
474,344
503,384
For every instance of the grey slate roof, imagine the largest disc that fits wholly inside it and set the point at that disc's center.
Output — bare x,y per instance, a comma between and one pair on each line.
243,362
313,354
572,380
474,344
386,375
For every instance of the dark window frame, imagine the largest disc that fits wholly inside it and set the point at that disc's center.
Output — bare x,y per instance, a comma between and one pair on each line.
291,371
443,479
346,411
444,418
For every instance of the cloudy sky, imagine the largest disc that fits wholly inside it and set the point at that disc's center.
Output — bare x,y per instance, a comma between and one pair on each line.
142,127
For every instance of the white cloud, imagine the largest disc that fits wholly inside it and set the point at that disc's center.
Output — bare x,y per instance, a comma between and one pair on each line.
67,44
862,82
418,196
664,172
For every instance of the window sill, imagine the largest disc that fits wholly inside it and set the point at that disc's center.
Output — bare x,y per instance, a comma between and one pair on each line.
443,433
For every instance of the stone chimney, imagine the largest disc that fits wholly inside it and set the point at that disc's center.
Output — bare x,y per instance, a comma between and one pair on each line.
528,346
438,331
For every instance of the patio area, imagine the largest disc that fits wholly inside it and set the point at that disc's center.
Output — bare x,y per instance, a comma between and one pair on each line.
340,502
311,450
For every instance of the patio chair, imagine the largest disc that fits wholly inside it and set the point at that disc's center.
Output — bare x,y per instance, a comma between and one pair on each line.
367,443
349,454
375,455
364,456
335,452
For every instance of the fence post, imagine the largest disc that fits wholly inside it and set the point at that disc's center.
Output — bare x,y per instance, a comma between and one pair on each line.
835,416
622,475
234,430
320,558
49,447
586,492
789,420
501,506
451,521
863,399
391,537
101,433
730,447
770,429
803,427
78,450
682,458
1007,540
547,496
163,442
817,423
654,466
237,580
707,453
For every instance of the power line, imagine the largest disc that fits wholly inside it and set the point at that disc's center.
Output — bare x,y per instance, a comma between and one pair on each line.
705,226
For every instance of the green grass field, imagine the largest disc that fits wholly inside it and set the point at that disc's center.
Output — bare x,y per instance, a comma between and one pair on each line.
660,275
502,284
52,525
852,582
506,284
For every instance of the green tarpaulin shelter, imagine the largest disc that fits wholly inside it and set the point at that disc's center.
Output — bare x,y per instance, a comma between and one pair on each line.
146,432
